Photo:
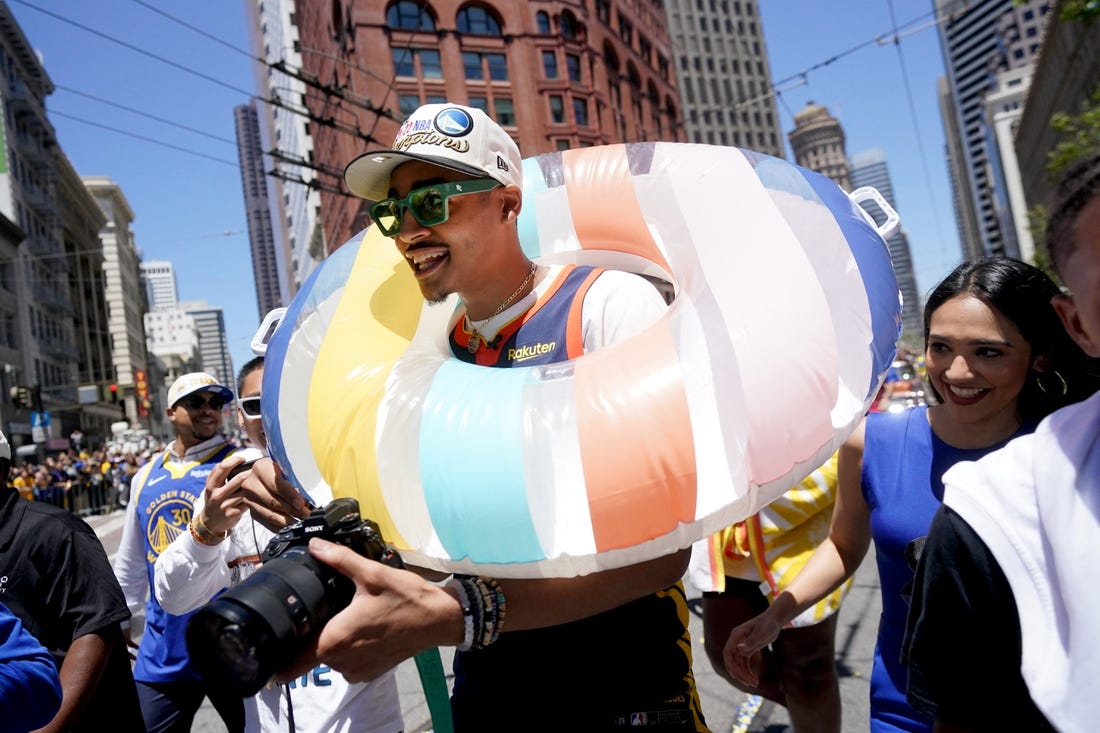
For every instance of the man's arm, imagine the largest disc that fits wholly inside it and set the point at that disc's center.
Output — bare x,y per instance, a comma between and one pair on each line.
80,673
129,565
396,614
188,574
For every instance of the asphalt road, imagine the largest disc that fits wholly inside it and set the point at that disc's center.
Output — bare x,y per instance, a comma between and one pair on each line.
727,709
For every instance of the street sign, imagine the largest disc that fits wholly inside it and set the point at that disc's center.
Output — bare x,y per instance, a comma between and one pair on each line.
40,427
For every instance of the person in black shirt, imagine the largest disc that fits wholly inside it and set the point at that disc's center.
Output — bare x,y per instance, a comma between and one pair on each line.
54,576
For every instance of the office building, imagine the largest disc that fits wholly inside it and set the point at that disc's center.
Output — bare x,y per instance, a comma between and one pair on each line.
213,344
159,277
127,300
817,141
265,260
1065,80
725,82
292,180
1004,105
979,39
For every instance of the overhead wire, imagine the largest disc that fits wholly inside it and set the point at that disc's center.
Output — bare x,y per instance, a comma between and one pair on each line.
279,66
136,49
146,138
148,115
916,124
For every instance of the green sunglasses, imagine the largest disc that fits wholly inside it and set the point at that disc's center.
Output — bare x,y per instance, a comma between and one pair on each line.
427,204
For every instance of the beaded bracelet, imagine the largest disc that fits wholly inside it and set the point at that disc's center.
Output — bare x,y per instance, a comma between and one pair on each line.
467,613
483,610
201,534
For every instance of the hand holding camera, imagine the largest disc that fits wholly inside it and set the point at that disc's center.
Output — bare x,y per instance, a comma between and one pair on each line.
258,628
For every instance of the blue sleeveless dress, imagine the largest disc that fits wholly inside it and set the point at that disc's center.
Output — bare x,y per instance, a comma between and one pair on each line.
903,467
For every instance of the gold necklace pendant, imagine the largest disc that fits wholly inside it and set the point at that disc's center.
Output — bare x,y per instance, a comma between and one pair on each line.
475,336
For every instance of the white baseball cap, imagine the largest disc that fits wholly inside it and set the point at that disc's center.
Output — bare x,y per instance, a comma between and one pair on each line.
196,382
451,136
5,449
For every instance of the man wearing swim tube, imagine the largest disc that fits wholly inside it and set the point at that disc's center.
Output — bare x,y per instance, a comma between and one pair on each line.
449,195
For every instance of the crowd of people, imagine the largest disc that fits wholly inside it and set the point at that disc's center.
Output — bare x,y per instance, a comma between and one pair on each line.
981,505
85,482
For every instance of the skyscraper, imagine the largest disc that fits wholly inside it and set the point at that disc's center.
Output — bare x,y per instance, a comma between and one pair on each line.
725,80
127,299
818,144
292,179
869,169
213,344
980,38
265,262
160,284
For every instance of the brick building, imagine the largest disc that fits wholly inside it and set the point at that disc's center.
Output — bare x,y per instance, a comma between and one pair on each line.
556,75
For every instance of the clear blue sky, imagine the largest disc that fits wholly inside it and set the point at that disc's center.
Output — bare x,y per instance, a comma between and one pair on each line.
189,209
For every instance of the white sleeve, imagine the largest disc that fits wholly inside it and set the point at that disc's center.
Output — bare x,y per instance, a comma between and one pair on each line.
617,306
188,574
130,561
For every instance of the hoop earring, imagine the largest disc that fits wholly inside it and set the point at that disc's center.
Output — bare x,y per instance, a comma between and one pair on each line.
1052,392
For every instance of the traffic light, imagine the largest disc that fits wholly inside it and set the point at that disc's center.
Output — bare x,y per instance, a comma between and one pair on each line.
114,392
20,396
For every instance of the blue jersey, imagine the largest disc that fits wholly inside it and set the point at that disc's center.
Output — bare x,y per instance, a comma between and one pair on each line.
548,332
165,494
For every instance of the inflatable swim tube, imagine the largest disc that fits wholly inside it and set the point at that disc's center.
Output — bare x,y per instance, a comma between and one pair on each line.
784,321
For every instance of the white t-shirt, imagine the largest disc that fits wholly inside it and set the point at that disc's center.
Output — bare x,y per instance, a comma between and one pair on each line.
1036,505
188,574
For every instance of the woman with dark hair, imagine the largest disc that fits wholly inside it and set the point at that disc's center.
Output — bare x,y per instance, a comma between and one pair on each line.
997,361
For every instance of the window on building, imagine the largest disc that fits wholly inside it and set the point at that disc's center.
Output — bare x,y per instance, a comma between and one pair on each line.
498,66
568,25
471,62
403,61
478,21
481,103
557,108
561,144
603,11
573,64
430,67
645,48
505,111
542,22
626,31
580,112
409,15
550,64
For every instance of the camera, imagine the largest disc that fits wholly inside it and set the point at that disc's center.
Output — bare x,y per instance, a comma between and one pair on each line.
243,637
250,455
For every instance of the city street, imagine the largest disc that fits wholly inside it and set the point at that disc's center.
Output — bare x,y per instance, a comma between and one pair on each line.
721,702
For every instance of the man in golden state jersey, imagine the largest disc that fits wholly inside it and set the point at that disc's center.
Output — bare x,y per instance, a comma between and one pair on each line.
162,496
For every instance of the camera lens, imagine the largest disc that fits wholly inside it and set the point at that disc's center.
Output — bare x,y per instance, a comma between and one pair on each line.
243,637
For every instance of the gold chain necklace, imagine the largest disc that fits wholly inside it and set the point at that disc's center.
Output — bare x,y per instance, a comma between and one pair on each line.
475,336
